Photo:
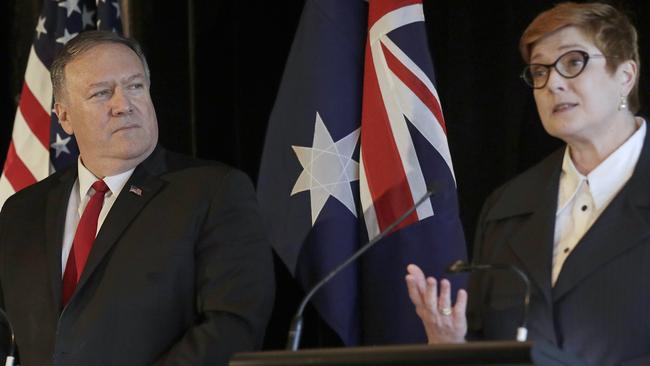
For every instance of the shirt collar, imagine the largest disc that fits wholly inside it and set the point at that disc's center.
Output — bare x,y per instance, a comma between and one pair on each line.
608,177
570,181
114,182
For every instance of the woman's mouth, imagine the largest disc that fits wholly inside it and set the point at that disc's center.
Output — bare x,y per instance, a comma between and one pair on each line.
562,107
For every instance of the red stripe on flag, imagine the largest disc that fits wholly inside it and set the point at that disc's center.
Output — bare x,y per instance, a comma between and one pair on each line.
36,118
416,85
387,183
379,8
16,171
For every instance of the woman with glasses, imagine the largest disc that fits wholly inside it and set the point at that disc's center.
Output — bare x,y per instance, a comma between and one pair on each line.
578,223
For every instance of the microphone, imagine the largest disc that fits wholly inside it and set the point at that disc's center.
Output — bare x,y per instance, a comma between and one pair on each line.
11,356
295,331
460,266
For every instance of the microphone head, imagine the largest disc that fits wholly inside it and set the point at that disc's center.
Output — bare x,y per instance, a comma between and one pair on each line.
458,267
432,189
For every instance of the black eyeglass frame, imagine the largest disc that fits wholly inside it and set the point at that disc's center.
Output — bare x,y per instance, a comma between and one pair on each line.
585,55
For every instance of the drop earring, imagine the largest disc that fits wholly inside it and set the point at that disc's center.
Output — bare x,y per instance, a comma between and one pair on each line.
622,103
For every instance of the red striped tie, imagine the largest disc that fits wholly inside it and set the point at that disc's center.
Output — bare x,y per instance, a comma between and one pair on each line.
83,241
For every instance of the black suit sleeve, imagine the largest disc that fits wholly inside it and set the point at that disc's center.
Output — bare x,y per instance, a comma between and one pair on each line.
234,279
5,332
476,288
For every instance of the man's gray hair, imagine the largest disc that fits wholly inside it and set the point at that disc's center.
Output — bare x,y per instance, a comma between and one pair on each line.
82,43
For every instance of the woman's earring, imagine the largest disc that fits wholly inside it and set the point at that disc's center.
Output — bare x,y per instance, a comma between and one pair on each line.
622,103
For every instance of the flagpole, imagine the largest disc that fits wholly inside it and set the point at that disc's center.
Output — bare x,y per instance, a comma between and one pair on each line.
125,6
191,55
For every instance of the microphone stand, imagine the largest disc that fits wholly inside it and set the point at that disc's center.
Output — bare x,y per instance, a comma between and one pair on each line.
460,266
11,356
295,330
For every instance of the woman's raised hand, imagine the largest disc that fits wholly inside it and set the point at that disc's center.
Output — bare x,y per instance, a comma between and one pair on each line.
442,322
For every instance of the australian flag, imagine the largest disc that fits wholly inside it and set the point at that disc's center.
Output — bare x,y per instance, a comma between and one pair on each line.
39,146
356,137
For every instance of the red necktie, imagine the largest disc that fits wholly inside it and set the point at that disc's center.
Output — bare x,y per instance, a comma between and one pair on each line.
83,241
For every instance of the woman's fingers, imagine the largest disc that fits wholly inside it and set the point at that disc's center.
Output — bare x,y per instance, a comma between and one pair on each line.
431,294
442,320
415,294
416,284
414,270
461,304
417,274
444,300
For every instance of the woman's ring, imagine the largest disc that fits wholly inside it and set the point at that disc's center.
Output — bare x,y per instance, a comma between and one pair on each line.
445,311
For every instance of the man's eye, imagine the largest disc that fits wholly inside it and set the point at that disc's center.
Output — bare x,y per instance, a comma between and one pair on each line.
101,93
136,86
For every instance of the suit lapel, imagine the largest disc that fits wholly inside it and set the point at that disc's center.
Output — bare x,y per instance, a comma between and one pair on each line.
55,215
125,209
621,226
618,229
532,242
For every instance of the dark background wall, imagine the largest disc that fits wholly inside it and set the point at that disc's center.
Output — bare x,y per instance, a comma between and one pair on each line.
239,50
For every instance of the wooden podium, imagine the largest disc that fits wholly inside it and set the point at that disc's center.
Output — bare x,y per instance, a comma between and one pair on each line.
472,353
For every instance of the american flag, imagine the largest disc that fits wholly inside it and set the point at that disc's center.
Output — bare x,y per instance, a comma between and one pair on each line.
360,69
39,146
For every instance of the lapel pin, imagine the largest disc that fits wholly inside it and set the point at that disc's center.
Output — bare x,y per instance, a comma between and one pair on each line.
135,190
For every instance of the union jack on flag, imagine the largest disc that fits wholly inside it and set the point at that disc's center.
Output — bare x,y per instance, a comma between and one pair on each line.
397,96
39,146
356,137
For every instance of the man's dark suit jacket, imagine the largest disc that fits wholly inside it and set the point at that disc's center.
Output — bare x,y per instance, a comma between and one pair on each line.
179,274
599,309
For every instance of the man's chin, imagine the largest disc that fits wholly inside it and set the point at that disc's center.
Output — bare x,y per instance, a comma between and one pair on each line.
133,155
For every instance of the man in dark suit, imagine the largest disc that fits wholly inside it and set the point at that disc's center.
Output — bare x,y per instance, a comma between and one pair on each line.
179,272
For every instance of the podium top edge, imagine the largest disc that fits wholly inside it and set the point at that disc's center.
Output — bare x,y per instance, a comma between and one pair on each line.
469,346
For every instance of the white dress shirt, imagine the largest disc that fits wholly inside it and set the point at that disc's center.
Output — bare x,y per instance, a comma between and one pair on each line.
581,199
79,197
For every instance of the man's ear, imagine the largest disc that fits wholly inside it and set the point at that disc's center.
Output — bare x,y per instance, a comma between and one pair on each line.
64,118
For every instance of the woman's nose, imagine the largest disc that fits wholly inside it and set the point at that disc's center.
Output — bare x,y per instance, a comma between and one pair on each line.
555,82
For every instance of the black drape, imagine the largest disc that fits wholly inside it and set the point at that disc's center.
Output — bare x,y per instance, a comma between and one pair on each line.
240,49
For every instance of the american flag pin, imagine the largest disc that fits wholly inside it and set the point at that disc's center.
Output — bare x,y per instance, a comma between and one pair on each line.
135,190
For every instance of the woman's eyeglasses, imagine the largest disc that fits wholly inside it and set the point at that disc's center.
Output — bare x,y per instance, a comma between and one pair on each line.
569,65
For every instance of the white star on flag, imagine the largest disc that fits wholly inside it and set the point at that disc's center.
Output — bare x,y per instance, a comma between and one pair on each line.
66,37
117,9
61,145
328,169
71,6
40,28
87,17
